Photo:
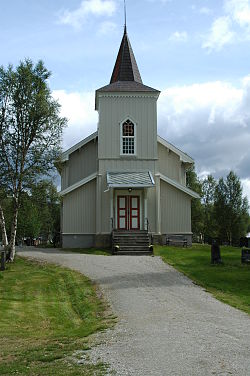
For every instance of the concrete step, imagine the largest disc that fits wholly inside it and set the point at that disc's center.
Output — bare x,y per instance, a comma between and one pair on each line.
131,243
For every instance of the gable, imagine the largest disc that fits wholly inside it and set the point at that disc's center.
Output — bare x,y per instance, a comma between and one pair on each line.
185,158
65,155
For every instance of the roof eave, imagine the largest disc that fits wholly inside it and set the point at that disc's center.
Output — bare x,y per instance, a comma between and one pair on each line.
131,185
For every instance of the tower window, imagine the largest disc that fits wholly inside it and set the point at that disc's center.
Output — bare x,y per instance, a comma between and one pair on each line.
128,138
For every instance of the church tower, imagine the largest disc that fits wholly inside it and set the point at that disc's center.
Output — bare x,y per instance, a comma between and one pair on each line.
127,111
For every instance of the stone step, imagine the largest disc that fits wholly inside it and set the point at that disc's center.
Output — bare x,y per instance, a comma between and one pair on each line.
131,243
130,235
132,240
133,248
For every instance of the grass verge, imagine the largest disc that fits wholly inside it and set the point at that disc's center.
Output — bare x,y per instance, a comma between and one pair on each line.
228,282
46,314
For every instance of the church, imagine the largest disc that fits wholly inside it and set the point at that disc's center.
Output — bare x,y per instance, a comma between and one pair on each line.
124,186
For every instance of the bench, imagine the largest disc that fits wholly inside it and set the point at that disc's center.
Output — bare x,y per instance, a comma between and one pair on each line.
245,255
176,240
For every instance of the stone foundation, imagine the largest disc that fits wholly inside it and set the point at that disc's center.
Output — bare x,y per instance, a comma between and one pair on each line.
78,241
104,240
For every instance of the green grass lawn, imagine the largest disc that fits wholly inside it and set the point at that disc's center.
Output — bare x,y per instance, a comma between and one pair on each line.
228,282
46,314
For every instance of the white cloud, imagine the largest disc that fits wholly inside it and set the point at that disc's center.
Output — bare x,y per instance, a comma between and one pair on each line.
246,188
179,36
233,26
78,108
77,17
239,10
211,122
220,34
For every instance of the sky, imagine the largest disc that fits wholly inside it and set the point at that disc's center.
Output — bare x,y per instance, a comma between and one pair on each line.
195,52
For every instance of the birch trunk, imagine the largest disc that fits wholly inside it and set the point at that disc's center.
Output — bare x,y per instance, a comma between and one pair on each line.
3,228
12,243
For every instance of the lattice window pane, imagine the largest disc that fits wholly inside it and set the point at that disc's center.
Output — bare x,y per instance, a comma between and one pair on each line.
128,137
128,145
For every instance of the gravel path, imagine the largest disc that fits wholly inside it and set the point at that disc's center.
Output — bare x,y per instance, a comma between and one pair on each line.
166,324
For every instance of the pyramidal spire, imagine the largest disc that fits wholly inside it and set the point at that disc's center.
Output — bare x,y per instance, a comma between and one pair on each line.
125,17
125,68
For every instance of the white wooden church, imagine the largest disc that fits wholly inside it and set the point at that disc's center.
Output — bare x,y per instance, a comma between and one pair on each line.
124,182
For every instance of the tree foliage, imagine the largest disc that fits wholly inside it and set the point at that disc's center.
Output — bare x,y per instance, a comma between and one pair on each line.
207,199
197,212
231,209
222,211
30,131
39,213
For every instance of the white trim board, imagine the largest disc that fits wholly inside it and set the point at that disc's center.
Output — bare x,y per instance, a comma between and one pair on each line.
178,186
78,184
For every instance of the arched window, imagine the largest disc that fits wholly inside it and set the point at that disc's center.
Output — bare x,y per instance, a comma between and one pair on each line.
128,138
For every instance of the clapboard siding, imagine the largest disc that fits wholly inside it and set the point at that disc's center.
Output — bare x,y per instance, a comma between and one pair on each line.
176,210
169,164
64,176
141,110
126,165
79,210
151,198
82,163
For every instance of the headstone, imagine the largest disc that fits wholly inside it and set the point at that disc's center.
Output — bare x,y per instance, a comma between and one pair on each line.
245,256
245,242
215,253
3,260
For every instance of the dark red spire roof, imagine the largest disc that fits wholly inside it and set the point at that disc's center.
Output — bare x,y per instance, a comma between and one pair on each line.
126,76
125,68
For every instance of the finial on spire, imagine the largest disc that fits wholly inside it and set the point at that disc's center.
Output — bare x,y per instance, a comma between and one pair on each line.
125,17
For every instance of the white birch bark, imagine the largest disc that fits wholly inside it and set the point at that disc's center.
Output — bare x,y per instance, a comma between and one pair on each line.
3,228
12,243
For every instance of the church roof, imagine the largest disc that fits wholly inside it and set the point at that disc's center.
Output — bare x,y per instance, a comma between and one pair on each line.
127,86
126,76
143,179
125,68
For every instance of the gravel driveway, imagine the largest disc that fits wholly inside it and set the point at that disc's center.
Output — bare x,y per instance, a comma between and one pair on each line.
166,324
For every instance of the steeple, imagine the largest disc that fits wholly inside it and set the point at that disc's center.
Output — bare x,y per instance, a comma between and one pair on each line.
125,68
126,77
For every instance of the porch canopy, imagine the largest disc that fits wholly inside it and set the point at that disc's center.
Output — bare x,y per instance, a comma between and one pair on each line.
130,179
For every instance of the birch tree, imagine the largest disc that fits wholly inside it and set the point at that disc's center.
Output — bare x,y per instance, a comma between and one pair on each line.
30,133
231,209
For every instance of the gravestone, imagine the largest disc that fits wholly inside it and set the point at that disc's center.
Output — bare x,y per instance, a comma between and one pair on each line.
245,242
245,255
215,253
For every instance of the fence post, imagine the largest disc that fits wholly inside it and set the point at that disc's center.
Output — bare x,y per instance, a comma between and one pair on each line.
3,260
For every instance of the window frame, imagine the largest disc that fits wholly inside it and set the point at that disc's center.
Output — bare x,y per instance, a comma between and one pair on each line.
129,137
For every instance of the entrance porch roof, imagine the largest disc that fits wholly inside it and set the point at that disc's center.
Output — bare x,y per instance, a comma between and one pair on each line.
130,179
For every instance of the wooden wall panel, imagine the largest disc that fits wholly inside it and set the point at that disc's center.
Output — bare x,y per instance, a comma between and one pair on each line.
79,210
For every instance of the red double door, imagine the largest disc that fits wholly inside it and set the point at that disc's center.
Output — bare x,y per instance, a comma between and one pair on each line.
128,212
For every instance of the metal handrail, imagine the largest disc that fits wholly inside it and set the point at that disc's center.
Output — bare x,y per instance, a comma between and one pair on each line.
112,223
149,230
